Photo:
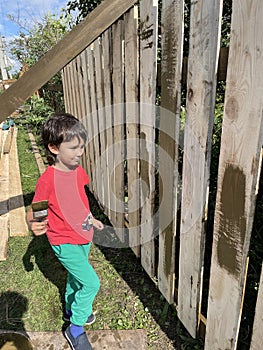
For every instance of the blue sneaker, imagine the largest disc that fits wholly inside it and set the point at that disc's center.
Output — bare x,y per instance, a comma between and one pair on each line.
79,343
91,319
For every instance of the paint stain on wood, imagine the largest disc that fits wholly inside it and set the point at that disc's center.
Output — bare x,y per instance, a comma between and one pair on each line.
232,108
232,223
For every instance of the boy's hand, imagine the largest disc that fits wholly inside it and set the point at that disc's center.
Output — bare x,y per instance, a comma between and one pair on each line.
97,224
38,227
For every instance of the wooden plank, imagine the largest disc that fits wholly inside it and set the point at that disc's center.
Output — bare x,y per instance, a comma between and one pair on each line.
74,85
8,140
101,161
62,53
238,175
4,195
65,87
1,140
172,52
69,89
132,123
257,335
93,120
82,103
39,160
201,84
17,214
118,127
107,64
148,73
86,119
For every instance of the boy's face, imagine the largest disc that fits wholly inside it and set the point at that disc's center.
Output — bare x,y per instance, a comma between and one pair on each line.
68,154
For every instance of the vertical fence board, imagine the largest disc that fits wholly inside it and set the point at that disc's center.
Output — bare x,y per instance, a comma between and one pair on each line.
94,121
118,127
257,335
148,73
98,119
101,117
107,67
88,116
71,87
171,67
201,86
65,87
132,124
77,83
82,105
238,174
74,104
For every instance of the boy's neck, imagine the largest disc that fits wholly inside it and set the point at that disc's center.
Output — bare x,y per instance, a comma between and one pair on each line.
63,167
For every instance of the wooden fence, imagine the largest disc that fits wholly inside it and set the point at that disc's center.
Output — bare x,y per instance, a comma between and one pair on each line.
134,148
149,169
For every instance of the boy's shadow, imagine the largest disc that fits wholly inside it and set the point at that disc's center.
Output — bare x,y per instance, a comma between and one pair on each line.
39,250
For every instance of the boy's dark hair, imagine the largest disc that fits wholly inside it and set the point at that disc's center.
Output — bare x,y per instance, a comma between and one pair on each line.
60,128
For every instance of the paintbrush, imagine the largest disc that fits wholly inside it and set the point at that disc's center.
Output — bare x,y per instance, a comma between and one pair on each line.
40,210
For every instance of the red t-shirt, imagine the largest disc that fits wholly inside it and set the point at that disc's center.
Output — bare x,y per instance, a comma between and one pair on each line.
68,205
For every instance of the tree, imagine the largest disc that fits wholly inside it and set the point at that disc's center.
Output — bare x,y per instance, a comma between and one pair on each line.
33,43
84,7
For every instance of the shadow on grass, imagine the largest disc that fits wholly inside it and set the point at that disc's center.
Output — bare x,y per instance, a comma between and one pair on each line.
48,264
13,305
131,271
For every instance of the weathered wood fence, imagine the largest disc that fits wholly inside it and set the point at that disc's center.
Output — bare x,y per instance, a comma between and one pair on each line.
133,150
136,148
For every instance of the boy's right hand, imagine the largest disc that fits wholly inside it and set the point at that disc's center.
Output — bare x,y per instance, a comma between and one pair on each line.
38,227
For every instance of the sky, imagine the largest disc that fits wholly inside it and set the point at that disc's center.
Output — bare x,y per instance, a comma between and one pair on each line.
25,12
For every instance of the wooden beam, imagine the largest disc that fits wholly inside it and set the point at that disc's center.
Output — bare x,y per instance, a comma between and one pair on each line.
62,53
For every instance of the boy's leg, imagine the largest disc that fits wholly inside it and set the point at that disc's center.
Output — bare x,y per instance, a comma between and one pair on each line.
75,259
71,288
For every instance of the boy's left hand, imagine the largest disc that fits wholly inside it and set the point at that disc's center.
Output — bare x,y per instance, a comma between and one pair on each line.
97,224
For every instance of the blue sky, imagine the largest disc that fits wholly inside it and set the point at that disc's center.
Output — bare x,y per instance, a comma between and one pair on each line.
25,11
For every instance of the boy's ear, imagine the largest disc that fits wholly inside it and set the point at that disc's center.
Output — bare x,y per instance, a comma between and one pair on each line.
53,149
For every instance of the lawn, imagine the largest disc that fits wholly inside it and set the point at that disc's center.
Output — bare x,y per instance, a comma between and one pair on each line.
33,282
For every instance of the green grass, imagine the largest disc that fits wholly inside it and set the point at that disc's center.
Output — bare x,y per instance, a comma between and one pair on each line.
33,283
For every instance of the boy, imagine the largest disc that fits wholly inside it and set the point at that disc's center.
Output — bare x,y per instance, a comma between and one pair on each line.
69,224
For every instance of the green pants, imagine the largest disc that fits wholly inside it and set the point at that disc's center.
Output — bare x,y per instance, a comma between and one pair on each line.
82,282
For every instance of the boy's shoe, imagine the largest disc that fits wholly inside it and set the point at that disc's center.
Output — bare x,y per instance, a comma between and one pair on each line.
79,343
91,319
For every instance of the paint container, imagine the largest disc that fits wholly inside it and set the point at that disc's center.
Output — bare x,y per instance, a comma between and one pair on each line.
14,341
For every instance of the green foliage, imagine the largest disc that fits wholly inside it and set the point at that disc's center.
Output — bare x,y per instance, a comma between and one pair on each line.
32,44
84,7
38,111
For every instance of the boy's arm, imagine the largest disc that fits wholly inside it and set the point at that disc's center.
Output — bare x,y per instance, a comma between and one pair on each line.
37,227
